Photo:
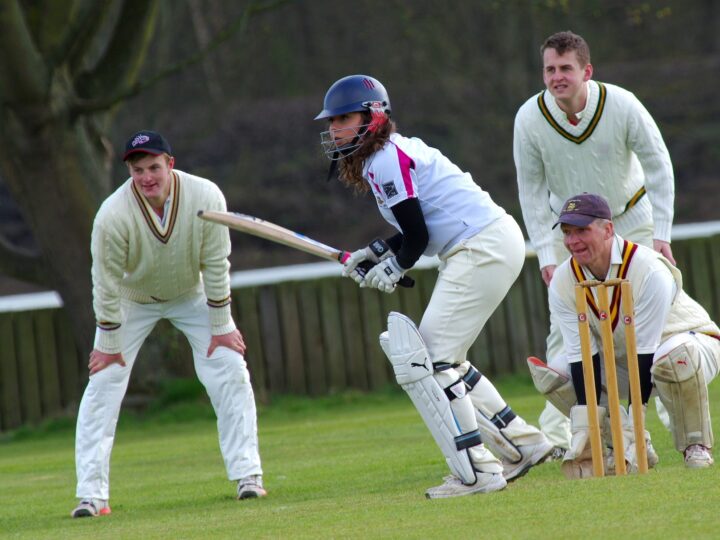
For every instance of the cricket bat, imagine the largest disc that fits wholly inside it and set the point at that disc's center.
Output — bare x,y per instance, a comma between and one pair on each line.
280,235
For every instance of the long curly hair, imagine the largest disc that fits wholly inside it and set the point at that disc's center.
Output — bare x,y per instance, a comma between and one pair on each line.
351,167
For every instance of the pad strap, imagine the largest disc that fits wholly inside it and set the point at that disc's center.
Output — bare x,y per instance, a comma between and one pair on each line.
456,390
468,440
471,378
503,418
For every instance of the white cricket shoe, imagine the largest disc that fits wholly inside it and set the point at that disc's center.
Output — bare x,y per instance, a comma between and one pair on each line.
251,487
91,508
698,456
532,454
454,487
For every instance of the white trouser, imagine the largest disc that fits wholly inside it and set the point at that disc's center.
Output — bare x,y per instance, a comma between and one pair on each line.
636,226
224,376
474,277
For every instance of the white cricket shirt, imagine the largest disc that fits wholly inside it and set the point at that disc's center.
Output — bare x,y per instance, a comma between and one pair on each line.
454,206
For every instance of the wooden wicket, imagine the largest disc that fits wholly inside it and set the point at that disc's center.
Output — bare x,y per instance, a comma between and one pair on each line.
611,374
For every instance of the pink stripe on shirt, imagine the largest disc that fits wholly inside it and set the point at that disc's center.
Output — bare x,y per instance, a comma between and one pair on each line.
405,165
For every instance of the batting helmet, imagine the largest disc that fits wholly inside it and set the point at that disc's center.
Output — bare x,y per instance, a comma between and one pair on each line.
355,93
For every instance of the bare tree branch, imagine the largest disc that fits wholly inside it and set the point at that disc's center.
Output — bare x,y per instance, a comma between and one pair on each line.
51,19
126,51
86,106
85,20
202,33
23,75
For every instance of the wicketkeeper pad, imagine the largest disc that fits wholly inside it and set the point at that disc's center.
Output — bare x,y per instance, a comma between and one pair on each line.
680,382
413,369
556,387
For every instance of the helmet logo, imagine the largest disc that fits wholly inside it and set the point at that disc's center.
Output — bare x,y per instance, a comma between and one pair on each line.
367,83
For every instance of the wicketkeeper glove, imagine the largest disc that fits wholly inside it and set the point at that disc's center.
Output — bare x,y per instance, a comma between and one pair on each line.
378,250
384,276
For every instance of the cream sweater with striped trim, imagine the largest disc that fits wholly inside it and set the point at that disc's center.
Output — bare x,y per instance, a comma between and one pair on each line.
137,258
614,150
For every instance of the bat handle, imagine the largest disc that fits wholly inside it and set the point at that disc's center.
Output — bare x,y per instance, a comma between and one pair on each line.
363,267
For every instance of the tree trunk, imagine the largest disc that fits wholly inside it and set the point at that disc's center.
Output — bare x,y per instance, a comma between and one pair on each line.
59,181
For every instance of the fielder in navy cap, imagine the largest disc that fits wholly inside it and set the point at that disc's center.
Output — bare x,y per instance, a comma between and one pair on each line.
581,210
147,142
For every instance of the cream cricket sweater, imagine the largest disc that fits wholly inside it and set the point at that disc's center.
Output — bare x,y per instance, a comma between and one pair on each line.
138,258
614,151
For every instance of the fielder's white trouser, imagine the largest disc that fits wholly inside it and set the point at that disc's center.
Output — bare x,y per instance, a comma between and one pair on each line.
474,277
635,225
224,376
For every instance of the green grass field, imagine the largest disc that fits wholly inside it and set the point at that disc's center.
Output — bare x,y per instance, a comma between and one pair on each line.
350,466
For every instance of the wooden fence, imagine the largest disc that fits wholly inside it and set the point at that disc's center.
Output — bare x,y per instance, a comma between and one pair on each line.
307,337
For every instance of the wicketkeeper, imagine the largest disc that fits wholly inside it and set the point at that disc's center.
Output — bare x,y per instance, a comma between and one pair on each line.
437,210
678,344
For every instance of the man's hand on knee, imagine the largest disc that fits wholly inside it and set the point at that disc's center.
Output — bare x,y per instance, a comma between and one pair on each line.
233,341
100,360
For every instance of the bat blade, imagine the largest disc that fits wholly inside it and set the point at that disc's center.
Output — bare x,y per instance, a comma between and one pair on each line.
275,233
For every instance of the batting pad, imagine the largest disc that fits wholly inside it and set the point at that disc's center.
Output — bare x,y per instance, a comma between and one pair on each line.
413,369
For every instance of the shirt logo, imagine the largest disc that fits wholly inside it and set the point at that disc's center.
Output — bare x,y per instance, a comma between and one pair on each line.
390,190
140,139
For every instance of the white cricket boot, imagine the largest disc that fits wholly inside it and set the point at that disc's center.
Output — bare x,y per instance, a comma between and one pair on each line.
454,487
91,508
698,456
251,487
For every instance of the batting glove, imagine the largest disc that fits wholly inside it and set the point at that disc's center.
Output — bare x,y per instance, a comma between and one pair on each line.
377,251
384,275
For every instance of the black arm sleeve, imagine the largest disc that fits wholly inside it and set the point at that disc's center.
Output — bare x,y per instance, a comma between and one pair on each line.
576,371
411,243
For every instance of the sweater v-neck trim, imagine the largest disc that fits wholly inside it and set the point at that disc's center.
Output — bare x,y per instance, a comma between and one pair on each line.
559,121
154,222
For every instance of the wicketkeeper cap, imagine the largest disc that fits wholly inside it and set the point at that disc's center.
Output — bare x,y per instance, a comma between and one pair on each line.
147,142
581,210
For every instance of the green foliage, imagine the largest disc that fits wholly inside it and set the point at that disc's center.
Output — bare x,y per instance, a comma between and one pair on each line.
348,466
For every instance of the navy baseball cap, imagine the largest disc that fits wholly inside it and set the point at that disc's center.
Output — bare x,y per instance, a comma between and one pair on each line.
147,142
581,210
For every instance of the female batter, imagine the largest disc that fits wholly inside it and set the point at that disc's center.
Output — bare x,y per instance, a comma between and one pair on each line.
437,210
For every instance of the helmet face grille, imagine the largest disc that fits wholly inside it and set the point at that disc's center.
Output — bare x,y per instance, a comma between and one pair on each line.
334,152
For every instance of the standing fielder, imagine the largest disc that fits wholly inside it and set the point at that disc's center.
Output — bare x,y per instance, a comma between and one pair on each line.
678,345
153,259
582,135
438,210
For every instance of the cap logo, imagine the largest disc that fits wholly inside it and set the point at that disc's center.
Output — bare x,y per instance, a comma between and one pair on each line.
570,207
140,139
